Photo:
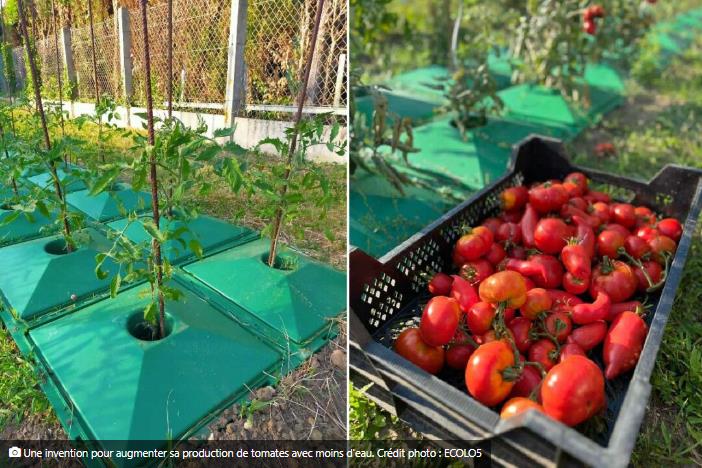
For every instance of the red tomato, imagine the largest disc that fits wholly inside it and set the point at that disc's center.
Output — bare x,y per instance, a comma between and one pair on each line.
585,236
614,278
509,232
576,260
511,216
496,254
440,285
529,379
631,306
563,301
551,271
646,233
573,391
504,287
520,328
623,344
590,335
551,235
457,355
596,196
575,285
537,301
589,27
609,242
474,244
517,251
644,216
514,198
464,293
439,320
601,210
662,246
654,270
624,214
579,179
487,373
617,227
548,197
670,227
528,225
579,203
570,349
559,325
588,313
479,317
636,246
411,346
544,351
477,270
518,405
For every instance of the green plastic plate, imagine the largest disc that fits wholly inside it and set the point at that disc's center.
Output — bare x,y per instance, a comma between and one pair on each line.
298,303
108,206
124,389
45,180
42,282
212,234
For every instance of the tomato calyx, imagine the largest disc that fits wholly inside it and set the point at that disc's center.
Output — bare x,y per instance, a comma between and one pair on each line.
607,265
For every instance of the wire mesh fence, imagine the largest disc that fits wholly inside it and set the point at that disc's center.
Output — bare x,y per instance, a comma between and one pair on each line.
278,36
200,43
107,58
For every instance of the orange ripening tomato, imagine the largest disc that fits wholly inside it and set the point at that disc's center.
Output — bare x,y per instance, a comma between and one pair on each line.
518,405
487,373
506,287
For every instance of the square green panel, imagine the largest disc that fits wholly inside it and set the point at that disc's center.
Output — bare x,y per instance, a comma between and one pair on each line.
106,205
212,234
298,303
70,181
126,389
36,281
24,227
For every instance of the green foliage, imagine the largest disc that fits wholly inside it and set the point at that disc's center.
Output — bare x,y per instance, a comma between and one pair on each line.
287,184
366,420
550,47
180,153
11,15
8,66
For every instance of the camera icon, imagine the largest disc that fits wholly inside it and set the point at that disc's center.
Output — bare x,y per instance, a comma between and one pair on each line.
14,452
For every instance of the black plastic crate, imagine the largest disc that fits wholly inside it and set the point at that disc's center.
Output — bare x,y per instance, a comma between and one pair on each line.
387,294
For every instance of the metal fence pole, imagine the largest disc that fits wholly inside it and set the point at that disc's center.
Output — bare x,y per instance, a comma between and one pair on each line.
234,99
67,52
340,76
125,50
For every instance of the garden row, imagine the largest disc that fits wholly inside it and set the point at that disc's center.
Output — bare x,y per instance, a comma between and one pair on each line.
142,317
382,217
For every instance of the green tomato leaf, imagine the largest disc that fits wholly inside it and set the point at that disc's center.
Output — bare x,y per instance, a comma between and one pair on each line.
115,284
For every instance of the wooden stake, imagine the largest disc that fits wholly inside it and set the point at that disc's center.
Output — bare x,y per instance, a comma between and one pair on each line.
155,244
278,220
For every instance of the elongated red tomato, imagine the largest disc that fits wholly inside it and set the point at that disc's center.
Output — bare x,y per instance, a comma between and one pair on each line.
411,346
590,335
631,306
588,313
464,293
528,223
518,405
585,236
623,344
487,374
573,390
439,320
576,260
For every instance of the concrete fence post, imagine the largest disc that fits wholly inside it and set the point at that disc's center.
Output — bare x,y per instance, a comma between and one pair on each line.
234,100
67,53
125,51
